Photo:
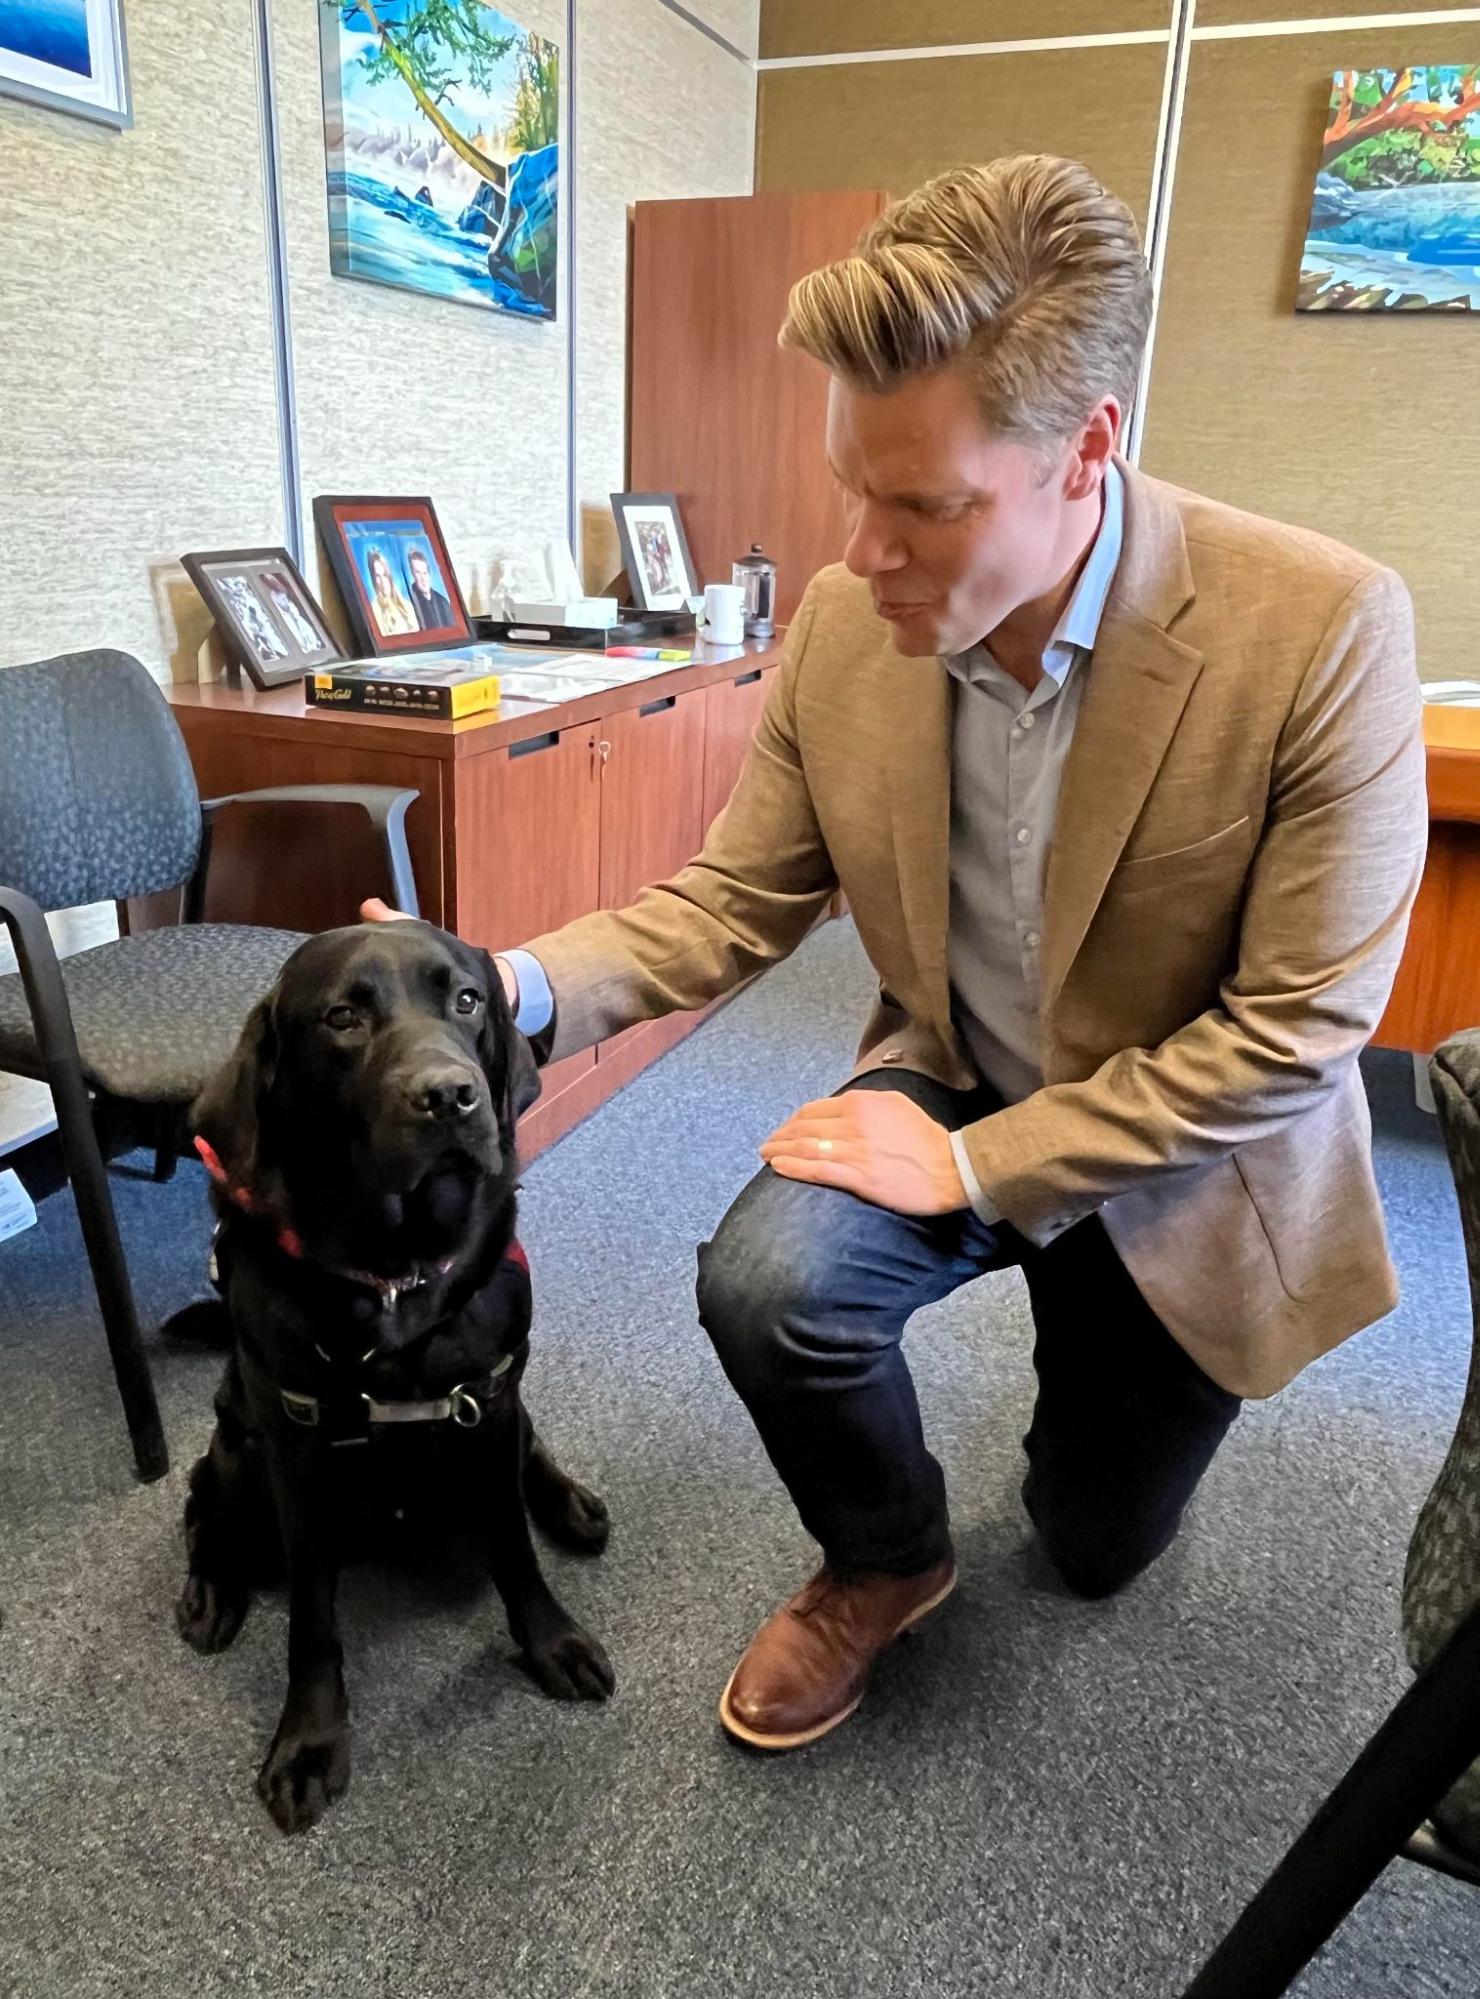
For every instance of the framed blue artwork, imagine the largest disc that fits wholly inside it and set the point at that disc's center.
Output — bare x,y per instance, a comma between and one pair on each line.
67,54
442,146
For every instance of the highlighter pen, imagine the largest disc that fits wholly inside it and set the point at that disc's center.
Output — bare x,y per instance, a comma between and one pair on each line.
648,652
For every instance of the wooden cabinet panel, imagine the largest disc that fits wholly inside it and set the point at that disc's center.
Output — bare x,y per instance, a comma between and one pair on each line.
733,710
1437,990
528,824
652,807
720,414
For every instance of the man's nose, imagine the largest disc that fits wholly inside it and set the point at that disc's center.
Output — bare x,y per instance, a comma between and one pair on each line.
444,1094
869,550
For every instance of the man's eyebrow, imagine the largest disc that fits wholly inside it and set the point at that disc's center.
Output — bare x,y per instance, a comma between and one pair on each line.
950,497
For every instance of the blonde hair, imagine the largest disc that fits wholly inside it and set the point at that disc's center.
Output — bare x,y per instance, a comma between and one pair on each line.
1026,270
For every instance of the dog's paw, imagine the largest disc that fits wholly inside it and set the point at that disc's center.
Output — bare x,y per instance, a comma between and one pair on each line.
305,1772
573,1516
208,1614
570,1665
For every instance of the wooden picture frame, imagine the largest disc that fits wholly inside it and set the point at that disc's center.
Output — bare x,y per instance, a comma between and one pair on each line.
265,612
390,561
655,551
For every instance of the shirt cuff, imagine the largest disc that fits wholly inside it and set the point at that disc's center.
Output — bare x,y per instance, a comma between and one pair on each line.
981,1207
536,1007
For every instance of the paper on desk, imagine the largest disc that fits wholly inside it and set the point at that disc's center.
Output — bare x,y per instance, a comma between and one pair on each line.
1453,693
17,1210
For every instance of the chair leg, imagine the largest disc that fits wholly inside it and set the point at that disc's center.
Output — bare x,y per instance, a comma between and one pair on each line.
89,1180
166,1143
1431,1737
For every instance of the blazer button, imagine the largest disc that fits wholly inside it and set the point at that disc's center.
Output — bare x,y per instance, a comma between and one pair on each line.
892,1055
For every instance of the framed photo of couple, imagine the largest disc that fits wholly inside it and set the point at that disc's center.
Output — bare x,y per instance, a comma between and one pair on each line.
394,574
264,612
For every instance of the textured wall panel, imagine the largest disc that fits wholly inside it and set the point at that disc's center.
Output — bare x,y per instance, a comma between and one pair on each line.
818,27
737,20
404,393
894,124
1352,423
1220,13
662,111
137,411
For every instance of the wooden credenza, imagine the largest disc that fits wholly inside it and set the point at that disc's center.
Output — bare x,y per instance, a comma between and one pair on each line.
1437,991
526,819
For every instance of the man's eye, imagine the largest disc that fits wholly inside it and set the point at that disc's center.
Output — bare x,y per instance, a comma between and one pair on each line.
341,1017
469,1001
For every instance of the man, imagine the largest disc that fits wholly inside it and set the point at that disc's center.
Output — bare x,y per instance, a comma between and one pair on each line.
1126,792
433,611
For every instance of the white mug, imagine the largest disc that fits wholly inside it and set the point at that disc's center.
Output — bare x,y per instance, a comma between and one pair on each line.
723,622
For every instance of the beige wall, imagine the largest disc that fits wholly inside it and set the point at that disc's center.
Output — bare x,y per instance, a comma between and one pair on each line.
1351,423
140,410
137,408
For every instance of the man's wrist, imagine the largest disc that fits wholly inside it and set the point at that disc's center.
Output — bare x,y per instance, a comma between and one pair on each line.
981,1207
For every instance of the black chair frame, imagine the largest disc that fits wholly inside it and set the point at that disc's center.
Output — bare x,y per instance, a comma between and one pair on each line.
59,1066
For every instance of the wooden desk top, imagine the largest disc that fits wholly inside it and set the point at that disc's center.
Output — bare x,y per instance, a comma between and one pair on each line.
283,714
1452,736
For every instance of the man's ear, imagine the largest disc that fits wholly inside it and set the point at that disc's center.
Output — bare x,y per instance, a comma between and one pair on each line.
230,1113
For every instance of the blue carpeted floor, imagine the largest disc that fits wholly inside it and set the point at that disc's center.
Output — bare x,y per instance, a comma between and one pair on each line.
1040,1797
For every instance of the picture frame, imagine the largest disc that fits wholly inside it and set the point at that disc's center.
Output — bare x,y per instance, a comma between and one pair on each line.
265,612
68,55
390,560
655,551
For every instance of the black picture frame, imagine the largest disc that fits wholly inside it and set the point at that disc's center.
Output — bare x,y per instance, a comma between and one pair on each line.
355,530
639,554
265,612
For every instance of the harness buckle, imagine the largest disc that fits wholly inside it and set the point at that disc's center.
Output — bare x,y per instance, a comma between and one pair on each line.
302,1409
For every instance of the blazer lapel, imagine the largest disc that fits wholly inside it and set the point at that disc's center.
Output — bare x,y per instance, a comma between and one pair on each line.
919,754
1139,678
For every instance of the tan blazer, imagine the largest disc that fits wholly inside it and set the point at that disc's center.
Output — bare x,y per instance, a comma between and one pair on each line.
1240,834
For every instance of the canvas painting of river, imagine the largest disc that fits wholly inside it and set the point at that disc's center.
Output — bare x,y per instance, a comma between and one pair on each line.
67,54
442,143
1395,222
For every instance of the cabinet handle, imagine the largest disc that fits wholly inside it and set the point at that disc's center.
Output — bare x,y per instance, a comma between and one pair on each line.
746,679
656,707
532,743
603,750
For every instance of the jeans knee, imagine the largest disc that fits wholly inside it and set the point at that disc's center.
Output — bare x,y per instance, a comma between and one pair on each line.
1097,1553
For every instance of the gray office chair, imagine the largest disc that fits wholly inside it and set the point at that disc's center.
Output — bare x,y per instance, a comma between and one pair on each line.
1415,1789
98,802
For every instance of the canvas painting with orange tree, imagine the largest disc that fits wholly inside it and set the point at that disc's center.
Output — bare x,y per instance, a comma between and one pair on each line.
442,136
1395,222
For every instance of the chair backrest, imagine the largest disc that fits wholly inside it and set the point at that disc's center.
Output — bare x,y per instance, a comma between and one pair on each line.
97,797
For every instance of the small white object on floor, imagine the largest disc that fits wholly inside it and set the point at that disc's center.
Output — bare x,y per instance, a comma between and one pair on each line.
1423,1088
17,1209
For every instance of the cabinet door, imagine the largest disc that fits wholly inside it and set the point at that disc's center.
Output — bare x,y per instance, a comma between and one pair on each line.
529,849
734,709
652,811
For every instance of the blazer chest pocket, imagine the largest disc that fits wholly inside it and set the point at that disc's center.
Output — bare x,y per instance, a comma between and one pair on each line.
1191,889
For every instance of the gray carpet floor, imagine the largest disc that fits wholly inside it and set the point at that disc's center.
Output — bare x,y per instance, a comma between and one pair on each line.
1040,1797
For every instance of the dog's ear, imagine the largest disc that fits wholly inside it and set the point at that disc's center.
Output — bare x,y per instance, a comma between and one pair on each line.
508,1061
231,1112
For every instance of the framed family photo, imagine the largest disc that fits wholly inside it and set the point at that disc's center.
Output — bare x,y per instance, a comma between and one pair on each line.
655,551
69,55
394,573
267,618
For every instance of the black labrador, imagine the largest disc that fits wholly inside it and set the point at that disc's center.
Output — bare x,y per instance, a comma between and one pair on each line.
362,1144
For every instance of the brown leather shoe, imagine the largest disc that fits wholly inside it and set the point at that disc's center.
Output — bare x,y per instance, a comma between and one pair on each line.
806,1669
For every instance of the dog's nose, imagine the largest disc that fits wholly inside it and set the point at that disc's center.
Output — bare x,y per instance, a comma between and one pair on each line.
447,1094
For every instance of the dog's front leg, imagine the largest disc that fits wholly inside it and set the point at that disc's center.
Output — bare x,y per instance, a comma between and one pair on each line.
308,1765
563,1657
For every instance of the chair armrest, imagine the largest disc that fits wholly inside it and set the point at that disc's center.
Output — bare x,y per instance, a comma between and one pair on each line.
41,977
384,804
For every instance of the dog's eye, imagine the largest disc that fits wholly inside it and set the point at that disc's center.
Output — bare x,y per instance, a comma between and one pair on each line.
469,1001
341,1017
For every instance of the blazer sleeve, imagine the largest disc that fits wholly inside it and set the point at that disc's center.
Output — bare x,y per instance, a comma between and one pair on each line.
742,905
1330,887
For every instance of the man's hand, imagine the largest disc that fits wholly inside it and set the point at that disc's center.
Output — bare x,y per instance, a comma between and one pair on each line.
877,1144
373,910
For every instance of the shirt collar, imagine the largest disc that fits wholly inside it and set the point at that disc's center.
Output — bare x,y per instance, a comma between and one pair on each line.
1079,622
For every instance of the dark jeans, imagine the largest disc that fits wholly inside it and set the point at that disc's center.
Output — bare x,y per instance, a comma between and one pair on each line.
805,1292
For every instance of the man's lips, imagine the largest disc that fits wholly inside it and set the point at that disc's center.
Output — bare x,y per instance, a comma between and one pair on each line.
889,610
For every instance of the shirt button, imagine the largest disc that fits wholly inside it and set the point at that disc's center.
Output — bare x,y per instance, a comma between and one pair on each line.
1032,940
1023,836
1026,721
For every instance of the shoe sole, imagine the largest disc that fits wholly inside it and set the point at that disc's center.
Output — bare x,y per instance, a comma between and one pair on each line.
733,1726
